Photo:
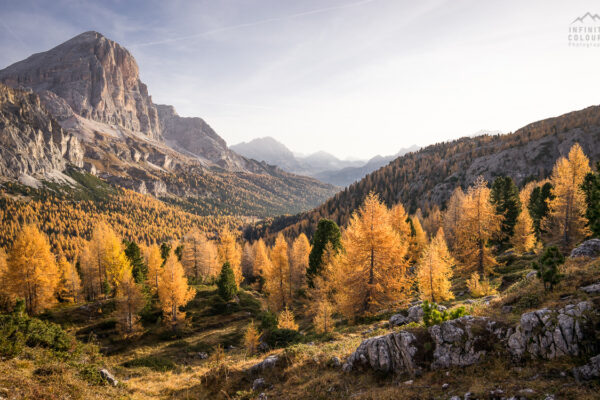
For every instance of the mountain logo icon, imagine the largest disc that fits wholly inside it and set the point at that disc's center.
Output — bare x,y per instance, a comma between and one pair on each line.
587,16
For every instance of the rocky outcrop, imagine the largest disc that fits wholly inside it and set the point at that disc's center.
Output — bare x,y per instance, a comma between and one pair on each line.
549,334
32,142
268,363
463,341
108,377
395,352
591,289
467,340
589,248
591,370
95,76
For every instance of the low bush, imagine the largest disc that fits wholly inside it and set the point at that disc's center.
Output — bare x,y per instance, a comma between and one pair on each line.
159,364
433,316
282,337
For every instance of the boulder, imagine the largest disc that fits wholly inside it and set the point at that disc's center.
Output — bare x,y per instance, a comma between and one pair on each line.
589,371
398,319
591,289
108,377
589,248
550,334
394,352
463,341
531,275
258,384
268,363
415,313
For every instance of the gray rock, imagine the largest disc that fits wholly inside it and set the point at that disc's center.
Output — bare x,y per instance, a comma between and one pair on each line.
591,289
455,398
268,363
389,353
588,371
589,248
550,334
202,355
108,377
507,309
398,319
262,396
445,386
415,313
469,301
335,362
258,384
531,275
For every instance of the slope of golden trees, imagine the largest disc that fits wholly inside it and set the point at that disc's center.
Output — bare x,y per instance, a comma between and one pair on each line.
566,224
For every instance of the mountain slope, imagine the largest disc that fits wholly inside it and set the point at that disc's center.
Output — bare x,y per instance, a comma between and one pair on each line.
90,85
428,176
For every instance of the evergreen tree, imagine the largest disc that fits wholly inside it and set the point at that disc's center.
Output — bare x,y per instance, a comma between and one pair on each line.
538,206
165,250
327,232
547,267
505,197
591,188
226,283
231,252
139,269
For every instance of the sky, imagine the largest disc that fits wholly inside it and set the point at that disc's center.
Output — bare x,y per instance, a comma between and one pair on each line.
355,78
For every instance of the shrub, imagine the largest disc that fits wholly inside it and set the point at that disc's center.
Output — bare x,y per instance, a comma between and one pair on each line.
282,337
480,288
226,283
547,267
251,339
268,321
433,316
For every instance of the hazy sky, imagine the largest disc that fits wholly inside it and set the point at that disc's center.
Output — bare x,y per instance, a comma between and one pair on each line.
354,78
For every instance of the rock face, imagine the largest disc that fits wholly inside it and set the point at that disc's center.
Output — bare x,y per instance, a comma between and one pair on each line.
96,77
588,371
32,142
467,340
589,248
549,334
108,377
268,363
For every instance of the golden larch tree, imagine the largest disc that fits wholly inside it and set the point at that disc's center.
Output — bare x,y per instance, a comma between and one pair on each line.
31,270
248,261
91,283
260,257
251,339
418,240
209,260
69,283
286,320
322,319
451,218
400,223
173,291
434,270
566,222
116,264
433,221
130,302
277,275
371,272
523,239
477,225
154,262
192,253
230,251
298,263
5,298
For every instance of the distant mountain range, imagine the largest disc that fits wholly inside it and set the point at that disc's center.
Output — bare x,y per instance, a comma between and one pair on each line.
321,165
83,105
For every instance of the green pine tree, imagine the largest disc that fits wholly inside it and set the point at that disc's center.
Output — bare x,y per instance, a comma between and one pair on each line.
547,267
327,232
538,206
139,269
226,283
505,197
591,187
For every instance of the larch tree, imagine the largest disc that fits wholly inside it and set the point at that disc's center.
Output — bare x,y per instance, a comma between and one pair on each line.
451,217
5,298
433,221
322,319
116,264
478,224
277,275
418,240
371,272
173,291
248,262
400,222
91,282
299,263
566,223
69,284
261,262
130,302
523,239
192,254
31,271
327,232
154,262
434,270
286,320
230,251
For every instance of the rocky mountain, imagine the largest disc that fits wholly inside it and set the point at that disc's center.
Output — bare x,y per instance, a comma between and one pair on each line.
32,141
321,165
90,87
428,176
